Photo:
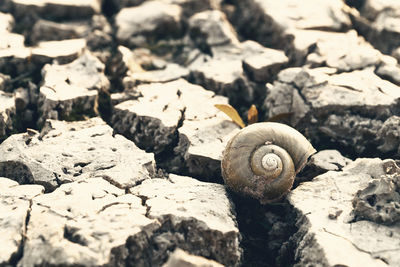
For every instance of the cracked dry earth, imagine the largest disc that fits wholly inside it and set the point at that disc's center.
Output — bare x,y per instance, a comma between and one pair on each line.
110,144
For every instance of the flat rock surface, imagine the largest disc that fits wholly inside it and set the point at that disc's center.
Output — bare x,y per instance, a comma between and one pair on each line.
178,115
336,209
182,258
65,152
317,94
109,126
183,205
70,91
128,226
152,19
7,110
15,204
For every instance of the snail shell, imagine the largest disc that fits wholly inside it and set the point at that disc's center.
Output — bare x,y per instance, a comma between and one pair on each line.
262,160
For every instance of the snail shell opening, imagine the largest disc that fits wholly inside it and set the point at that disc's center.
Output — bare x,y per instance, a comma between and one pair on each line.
262,159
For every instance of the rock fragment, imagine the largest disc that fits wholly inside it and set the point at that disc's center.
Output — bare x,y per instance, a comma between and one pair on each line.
344,109
268,21
179,116
69,151
53,9
232,70
180,258
84,223
211,28
62,51
6,22
69,91
330,226
15,204
148,23
7,112
182,206
378,21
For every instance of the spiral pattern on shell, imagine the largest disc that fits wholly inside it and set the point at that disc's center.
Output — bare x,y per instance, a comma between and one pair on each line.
262,160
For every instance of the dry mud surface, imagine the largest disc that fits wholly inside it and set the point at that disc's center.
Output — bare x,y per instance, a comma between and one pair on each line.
111,144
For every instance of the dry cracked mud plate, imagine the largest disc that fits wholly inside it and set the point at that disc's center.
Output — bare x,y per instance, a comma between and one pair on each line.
111,144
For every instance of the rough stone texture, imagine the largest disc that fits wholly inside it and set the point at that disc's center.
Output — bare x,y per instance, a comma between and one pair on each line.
83,223
182,206
225,72
6,22
322,162
69,92
333,216
53,9
62,51
346,109
379,22
14,56
177,115
320,48
211,28
64,152
46,30
389,69
329,160
7,111
189,7
15,204
92,222
180,258
268,21
148,22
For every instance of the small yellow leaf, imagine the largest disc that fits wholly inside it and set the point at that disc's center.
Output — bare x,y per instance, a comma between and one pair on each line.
252,115
279,117
231,112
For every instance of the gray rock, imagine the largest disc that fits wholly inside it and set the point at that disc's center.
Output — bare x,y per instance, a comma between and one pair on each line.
95,223
148,22
345,109
353,52
84,223
196,217
379,201
180,258
329,160
396,54
54,9
15,204
378,21
267,21
180,116
211,28
330,227
62,51
170,72
189,7
389,69
69,91
14,56
389,133
6,22
201,143
262,63
70,151
232,67
7,112
93,30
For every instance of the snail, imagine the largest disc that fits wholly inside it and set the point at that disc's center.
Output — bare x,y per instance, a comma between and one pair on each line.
262,160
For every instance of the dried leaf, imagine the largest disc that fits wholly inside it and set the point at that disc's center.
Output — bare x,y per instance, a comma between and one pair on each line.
231,112
280,117
252,115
